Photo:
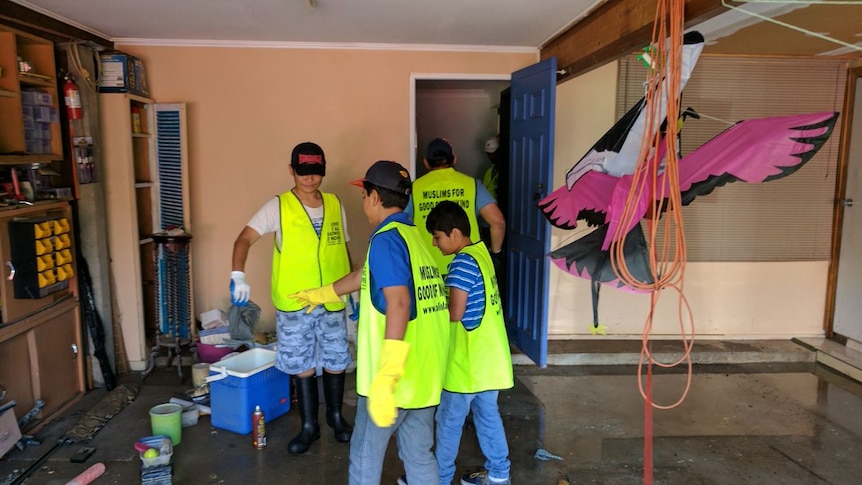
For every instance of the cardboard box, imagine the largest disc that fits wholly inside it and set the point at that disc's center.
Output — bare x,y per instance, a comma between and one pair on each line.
122,73
9,432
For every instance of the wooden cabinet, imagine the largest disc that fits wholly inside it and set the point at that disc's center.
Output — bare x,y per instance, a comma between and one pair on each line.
15,308
146,182
32,164
40,326
40,338
29,114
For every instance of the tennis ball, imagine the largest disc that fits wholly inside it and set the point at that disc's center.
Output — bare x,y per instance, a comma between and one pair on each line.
151,453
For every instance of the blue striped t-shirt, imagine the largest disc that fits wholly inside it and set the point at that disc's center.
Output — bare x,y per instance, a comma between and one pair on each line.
464,274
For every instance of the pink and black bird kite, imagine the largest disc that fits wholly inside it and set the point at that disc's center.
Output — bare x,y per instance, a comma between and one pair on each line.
752,151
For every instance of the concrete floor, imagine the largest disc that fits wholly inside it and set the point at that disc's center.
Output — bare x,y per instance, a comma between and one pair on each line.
764,423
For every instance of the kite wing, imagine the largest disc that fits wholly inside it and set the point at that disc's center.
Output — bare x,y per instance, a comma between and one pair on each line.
604,153
585,258
753,151
614,154
588,201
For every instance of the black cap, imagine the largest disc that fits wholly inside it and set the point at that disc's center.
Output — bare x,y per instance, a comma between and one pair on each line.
389,175
308,159
439,149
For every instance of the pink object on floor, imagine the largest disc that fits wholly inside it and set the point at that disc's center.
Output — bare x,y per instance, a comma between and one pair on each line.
89,475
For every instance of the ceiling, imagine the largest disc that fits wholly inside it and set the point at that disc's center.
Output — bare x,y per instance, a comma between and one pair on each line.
501,23
455,24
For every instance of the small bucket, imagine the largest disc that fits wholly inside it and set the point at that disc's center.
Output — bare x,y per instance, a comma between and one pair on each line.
167,419
199,374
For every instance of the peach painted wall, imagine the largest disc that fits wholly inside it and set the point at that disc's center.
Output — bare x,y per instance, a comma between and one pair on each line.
728,300
248,107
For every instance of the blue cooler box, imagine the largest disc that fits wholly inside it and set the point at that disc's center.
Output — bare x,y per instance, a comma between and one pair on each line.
239,383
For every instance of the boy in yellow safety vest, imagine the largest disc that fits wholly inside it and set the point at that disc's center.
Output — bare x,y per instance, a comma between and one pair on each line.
402,336
310,250
480,364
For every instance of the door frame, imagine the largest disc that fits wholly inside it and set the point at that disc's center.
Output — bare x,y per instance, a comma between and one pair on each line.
414,77
854,73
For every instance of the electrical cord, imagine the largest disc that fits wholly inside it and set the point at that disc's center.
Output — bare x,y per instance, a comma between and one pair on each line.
92,84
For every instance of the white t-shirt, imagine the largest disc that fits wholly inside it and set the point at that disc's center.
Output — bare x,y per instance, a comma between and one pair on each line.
268,219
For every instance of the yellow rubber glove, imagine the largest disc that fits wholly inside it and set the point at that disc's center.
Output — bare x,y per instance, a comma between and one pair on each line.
316,296
381,396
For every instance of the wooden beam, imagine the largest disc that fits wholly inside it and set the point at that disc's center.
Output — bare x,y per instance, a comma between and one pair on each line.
24,19
615,29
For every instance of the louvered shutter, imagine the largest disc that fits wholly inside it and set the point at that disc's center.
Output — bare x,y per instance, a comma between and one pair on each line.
172,161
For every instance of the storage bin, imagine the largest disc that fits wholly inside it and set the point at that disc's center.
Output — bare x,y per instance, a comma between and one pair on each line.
158,470
213,319
239,383
161,443
212,353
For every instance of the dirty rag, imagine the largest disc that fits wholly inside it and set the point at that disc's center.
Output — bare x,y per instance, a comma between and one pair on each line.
241,322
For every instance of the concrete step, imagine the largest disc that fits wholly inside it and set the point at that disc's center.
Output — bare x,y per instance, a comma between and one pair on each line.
834,355
627,352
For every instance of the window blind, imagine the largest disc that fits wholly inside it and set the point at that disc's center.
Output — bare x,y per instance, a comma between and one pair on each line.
789,219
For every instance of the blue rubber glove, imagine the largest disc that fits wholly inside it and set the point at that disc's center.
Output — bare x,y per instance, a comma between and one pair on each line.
240,291
354,308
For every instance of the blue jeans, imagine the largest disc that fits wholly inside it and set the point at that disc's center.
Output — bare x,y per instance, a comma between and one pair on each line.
451,414
414,433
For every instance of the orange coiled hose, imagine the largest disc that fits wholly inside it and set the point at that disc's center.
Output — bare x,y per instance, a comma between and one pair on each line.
667,254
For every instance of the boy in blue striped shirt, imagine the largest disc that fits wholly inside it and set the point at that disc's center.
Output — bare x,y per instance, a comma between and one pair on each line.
480,364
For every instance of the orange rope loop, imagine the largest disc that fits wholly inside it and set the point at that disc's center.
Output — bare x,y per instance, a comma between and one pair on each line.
655,181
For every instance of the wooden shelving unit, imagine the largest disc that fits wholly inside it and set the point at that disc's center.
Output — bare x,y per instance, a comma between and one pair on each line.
39,54
134,208
41,350
41,353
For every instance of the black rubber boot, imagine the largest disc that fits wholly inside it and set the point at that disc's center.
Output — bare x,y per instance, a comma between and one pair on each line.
333,391
306,393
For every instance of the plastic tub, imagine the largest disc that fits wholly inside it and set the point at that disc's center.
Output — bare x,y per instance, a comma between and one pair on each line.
161,443
190,417
211,353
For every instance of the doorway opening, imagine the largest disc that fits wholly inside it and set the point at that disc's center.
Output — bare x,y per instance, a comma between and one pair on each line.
464,109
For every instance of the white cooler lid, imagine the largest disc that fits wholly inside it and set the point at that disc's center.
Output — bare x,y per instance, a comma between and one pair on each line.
246,363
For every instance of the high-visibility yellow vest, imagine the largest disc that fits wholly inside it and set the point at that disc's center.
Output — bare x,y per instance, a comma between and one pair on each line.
306,260
438,185
489,180
479,359
427,334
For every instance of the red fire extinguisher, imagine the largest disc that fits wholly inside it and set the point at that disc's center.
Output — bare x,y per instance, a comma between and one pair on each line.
73,99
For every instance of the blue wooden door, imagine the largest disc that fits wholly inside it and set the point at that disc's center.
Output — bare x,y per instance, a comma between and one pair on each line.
531,145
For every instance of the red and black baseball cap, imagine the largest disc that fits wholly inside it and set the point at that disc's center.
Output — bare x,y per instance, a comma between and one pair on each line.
308,159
